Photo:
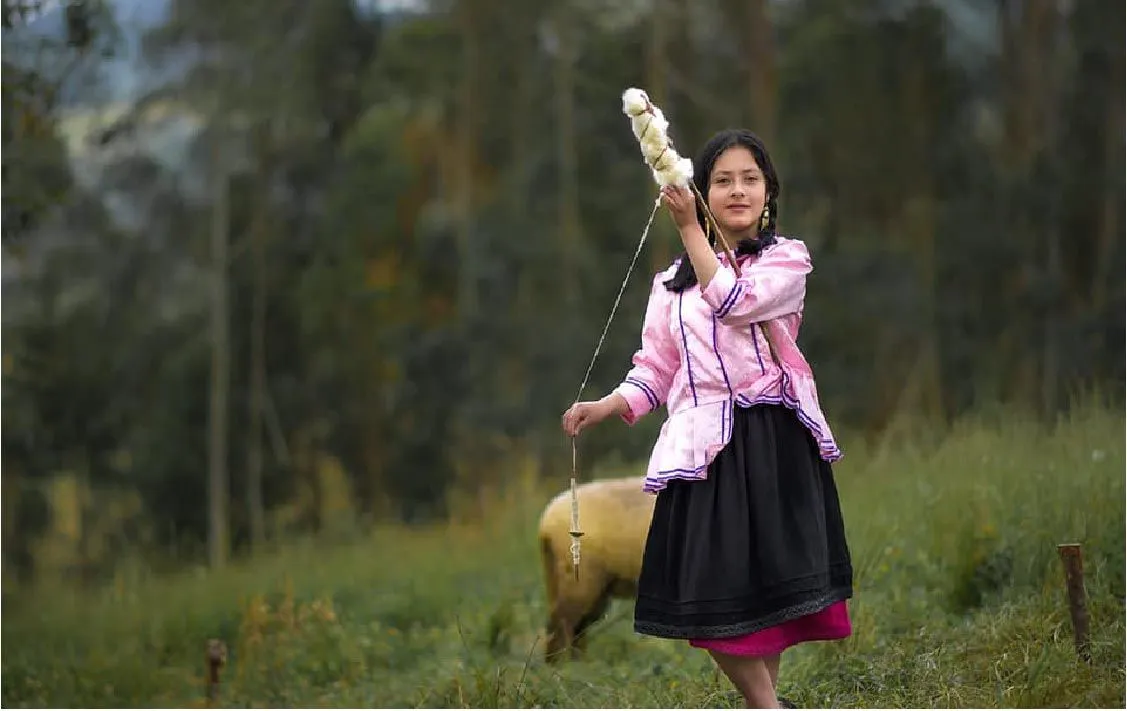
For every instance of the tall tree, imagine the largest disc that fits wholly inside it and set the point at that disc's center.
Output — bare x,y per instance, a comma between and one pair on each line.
468,114
321,48
1031,65
761,72
256,402
218,479
566,41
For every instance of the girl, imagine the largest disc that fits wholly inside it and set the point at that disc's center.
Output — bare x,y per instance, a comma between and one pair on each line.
746,552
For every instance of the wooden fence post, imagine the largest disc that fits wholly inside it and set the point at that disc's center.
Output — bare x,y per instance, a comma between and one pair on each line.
1077,606
216,658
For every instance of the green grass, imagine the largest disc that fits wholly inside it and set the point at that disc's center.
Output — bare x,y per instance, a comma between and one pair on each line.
959,603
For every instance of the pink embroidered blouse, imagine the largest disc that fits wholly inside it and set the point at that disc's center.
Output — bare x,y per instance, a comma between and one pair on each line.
703,352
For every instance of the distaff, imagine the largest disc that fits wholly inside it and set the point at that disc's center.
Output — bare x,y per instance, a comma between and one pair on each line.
669,170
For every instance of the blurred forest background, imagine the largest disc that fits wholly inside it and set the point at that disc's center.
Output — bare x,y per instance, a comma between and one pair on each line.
298,266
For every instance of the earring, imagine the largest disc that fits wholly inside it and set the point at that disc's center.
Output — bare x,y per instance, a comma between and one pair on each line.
766,218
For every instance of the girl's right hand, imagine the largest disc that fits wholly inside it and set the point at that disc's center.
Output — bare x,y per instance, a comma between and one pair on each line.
583,414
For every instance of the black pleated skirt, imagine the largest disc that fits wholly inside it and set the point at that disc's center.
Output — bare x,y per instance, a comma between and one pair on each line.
758,543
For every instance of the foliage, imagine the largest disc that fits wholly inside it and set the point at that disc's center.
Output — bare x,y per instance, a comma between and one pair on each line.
451,615
429,213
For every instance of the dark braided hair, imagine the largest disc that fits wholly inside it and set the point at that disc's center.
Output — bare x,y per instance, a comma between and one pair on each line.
685,276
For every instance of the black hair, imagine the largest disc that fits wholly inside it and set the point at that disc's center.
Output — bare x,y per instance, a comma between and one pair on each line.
685,276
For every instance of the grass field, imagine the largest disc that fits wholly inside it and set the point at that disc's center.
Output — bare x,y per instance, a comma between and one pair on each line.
960,603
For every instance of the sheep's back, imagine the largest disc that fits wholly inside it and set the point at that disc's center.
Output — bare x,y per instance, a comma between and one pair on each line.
614,515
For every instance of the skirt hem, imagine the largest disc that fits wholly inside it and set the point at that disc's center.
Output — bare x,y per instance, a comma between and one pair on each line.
735,629
803,586
830,624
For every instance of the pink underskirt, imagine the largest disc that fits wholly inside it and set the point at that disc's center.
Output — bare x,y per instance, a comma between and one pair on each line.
830,623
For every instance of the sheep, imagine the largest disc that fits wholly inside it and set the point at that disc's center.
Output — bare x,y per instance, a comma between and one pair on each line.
614,515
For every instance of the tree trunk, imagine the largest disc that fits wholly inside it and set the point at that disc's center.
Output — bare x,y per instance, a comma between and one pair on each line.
1028,41
467,140
663,238
256,401
523,111
762,81
1052,80
1050,358
522,115
1109,224
1110,229
918,222
567,206
218,483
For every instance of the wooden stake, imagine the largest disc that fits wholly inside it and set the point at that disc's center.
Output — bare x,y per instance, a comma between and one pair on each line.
216,658
1077,606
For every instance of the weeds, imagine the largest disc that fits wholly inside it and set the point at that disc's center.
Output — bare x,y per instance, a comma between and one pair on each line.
959,603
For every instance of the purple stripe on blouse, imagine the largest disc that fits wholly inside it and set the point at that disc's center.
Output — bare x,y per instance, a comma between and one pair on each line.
669,473
755,340
795,406
727,423
650,395
716,348
730,301
685,342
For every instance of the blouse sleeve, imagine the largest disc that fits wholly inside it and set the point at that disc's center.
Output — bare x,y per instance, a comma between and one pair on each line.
646,385
773,286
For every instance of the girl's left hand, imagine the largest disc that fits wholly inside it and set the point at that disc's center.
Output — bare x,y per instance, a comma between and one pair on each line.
681,203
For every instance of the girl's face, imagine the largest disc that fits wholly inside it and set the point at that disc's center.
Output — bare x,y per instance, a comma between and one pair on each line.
737,192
